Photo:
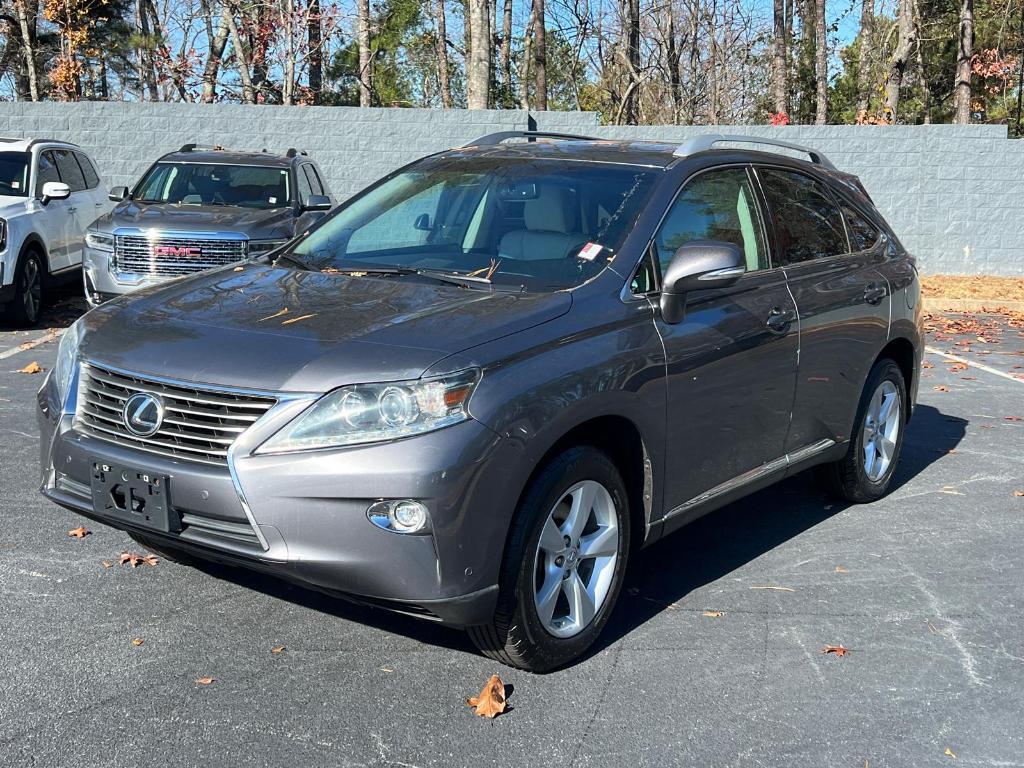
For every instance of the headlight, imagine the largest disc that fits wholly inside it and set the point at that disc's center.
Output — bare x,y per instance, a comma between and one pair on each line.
67,358
99,241
264,246
370,413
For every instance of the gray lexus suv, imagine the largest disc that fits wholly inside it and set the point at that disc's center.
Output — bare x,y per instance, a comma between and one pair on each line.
481,386
199,208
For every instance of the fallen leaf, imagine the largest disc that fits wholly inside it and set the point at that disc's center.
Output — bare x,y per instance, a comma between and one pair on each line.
941,388
1018,493
491,701
838,650
957,368
133,559
238,269
840,569
277,649
276,314
949,753
137,641
297,319
1013,418
31,368
713,614
80,532
951,490
926,364
205,680
777,589
107,564
386,669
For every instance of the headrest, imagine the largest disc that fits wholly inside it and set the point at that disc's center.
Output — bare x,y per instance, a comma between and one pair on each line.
551,211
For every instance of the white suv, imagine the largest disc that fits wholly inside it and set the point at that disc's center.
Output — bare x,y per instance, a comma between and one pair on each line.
49,194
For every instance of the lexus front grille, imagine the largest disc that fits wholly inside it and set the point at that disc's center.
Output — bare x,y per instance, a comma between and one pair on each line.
198,424
173,256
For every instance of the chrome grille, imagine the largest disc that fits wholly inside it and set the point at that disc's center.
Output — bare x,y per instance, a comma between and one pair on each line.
198,425
141,254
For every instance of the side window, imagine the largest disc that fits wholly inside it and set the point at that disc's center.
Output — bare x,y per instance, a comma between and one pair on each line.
92,179
406,225
303,181
46,171
863,234
716,205
314,181
70,173
807,220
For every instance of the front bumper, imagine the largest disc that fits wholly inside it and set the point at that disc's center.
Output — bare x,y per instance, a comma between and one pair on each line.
102,283
310,510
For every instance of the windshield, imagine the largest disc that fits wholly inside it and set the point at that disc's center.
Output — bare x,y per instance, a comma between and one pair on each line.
14,173
533,224
247,186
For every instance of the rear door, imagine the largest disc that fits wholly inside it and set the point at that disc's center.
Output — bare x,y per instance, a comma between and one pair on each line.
731,363
100,203
841,299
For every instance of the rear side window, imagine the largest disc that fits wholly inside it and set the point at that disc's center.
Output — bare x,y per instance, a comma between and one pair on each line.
46,171
807,220
92,179
314,180
863,234
70,173
716,205
305,190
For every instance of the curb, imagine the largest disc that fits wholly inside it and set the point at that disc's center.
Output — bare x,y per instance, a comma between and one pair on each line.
994,306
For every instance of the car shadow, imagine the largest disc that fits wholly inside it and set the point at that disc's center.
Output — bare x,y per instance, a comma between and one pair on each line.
63,304
672,568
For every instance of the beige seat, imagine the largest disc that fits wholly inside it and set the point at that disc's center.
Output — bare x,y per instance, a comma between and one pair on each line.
550,232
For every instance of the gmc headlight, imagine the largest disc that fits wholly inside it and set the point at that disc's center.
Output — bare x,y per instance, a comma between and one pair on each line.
370,413
67,359
264,246
99,241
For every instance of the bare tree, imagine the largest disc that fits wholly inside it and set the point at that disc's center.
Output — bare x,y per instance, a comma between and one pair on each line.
505,55
217,43
867,26
242,60
906,37
965,52
27,14
780,86
478,69
524,76
365,62
820,63
540,57
315,34
443,78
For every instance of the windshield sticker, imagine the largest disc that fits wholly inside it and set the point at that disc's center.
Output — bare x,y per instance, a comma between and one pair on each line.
590,251
273,200
15,185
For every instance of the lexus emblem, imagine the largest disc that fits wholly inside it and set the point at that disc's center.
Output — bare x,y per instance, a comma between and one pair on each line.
143,414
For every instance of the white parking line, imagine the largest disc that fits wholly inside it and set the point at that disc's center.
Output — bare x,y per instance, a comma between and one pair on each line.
972,364
26,346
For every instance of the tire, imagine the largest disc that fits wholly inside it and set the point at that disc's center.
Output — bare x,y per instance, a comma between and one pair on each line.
167,552
849,478
518,636
26,306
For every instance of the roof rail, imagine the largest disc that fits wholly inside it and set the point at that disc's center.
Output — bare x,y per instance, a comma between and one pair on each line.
194,147
292,152
707,141
497,138
33,142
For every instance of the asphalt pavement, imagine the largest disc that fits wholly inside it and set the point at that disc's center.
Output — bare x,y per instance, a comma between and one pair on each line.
713,657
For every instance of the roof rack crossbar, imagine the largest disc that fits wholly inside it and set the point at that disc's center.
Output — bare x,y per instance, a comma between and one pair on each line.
706,141
292,152
194,147
492,139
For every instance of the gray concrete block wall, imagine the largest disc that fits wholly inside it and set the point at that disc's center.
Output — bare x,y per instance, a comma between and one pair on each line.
954,194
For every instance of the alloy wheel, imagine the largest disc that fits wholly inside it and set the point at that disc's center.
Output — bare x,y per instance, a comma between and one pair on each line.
576,558
882,423
32,290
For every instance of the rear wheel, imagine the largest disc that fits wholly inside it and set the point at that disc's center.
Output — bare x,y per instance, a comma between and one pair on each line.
563,566
866,471
27,304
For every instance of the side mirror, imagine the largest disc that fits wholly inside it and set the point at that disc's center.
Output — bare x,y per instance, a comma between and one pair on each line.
317,203
117,194
695,266
54,190
422,222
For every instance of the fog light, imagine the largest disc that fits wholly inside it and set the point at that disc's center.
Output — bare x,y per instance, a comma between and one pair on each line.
402,516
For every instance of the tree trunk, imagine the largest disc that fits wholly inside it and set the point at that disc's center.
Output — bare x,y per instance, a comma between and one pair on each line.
505,56
867,27
442,57
965,52
906,34
820,64
524,76
147,73
540,57
780,86
672,58
244,65
217,44
478,75
315,36
365,64
631,20
28,45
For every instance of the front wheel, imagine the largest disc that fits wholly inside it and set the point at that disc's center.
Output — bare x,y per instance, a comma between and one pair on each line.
27,304
866,471
563,566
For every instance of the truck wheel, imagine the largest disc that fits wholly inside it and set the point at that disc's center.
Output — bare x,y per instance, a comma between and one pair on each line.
563,565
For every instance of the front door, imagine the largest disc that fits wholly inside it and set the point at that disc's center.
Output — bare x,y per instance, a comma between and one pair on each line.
731,363
56,219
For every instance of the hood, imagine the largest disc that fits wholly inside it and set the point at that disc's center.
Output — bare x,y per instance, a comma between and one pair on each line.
285,330
256,224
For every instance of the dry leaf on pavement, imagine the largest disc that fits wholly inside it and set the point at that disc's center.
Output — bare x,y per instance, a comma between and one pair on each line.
838,650
79,533
713,614
31,368
949,753
205,680
941,388
1018,493
840,569
137,641
107,564
772,587
491,701
277,649
133,559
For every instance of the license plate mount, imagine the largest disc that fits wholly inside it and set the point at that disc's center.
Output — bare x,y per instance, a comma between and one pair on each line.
133,495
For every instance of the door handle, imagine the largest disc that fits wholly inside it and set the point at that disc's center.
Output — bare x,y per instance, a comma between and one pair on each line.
72,210
779,320
875,293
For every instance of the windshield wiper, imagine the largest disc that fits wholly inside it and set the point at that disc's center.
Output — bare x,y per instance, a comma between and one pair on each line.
297,261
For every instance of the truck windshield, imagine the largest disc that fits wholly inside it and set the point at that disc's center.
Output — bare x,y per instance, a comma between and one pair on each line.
14,173
247,186
536,224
